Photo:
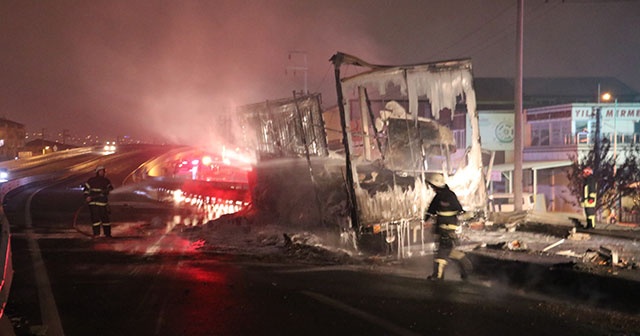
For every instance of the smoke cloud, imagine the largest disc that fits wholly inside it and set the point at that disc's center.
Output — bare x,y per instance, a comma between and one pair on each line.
167,70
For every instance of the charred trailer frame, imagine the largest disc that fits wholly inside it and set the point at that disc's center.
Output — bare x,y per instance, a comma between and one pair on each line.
282,132
285,128
411,145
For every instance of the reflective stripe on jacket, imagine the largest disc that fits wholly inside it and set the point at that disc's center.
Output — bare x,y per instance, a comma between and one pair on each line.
98,188
590,193
446,206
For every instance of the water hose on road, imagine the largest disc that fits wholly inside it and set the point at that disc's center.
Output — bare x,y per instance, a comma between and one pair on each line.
75,222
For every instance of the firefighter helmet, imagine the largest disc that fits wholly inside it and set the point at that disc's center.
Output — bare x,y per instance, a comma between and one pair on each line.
437,181
99,168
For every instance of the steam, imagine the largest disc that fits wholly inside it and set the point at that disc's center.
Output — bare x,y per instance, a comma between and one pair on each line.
166,69
170,71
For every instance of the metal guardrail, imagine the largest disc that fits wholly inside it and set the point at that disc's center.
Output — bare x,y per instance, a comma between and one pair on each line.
6,264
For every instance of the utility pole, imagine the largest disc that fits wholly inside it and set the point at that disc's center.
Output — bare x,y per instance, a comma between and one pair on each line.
302,67
517,140
337,60
596,141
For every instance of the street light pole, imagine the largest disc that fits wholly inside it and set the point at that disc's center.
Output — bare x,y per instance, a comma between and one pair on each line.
596,141
615,156
518,144
615,136
607,97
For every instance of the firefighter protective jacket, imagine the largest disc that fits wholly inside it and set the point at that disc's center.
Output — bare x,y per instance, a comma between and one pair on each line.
98,188
447,207
589,197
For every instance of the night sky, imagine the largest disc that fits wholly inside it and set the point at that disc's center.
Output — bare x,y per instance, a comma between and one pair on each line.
164,69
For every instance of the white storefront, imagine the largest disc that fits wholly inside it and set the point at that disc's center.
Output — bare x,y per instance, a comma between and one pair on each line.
563,132
558,132
553,136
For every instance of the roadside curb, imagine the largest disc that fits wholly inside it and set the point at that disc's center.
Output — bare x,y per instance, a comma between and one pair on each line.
587,283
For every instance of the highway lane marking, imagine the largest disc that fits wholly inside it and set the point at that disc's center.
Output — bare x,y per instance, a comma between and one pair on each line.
376,320
48,307
154,248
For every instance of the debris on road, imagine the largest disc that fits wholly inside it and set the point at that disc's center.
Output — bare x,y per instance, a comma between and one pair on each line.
573,235
514,245
553,245
570,253
610,254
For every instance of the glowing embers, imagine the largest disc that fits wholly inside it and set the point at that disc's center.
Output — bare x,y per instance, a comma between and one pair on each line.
178,196
204,208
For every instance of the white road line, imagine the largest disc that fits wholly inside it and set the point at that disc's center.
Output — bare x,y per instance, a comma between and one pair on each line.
379,321
48,307
153,249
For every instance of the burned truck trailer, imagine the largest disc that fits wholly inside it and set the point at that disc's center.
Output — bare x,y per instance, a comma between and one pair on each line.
396,127
289,139
405,113
285,128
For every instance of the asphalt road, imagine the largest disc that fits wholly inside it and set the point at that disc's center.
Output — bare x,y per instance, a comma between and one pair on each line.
147,281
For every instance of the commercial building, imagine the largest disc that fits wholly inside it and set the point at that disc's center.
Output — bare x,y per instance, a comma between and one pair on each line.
12,135
559,124
553,137
554,134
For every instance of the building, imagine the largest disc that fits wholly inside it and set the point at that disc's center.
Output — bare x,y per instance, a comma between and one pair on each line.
563,132
559,125
12,137
554,134
41,146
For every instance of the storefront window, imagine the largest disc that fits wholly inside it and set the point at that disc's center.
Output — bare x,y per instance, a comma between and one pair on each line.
548,133
560,131
540,134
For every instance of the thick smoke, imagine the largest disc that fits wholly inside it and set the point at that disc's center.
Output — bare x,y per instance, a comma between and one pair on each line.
166,70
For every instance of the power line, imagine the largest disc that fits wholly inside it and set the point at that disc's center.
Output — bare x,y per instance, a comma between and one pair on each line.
510,30
472,32
324,78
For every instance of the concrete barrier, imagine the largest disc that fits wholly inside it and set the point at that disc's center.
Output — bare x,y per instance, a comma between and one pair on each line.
6,266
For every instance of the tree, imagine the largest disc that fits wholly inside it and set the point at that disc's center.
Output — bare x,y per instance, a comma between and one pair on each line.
613,184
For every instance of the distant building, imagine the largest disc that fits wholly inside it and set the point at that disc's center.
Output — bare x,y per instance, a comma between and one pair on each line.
40,146
559,125
12,135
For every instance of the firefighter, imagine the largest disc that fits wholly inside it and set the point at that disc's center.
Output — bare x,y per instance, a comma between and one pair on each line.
446,207
96,191
589,197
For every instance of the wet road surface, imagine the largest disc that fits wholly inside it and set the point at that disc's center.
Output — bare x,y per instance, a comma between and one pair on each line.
150,281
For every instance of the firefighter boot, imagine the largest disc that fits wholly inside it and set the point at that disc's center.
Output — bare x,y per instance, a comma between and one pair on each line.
441,266
438,269
96,229
107,230
434,274
464,264
466,267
